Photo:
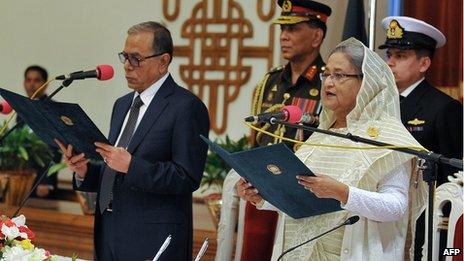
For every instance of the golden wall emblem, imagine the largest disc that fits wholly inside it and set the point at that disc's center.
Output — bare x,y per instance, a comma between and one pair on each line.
274,169
394,30
67,120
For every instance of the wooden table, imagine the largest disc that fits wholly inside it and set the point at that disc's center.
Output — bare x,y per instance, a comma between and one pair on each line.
62,230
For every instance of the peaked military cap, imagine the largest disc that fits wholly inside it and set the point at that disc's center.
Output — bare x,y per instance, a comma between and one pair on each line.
409,33
296,11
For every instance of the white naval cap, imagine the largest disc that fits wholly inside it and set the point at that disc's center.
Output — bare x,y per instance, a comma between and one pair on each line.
409,33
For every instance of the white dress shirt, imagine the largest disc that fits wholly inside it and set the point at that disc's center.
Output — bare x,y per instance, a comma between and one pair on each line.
147,96
411,88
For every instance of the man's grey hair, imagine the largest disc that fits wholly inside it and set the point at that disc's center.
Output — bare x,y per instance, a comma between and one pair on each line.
162,40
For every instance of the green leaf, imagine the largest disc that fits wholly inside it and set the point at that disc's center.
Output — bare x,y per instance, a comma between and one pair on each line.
56,167
23,153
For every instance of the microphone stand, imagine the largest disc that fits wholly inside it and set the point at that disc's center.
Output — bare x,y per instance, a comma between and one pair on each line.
429,168
349,221
64,83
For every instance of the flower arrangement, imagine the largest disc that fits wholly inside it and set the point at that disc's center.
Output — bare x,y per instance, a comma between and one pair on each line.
16,242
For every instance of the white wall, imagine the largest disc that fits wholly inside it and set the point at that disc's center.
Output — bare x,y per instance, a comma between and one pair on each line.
66,36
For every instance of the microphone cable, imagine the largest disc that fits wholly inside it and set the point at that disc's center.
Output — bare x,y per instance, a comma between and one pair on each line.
332,145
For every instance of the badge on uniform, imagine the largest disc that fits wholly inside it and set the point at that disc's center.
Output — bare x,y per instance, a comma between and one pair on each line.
373,131
394,31
311,72
416,122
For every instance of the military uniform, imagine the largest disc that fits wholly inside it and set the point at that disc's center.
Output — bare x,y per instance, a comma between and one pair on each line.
435,121
432,117
276,91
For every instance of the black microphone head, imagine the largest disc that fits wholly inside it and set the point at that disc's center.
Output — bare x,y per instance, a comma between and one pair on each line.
352,220
250,119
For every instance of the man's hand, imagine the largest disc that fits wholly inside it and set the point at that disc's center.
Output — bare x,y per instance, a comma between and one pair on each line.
116,158
77,164
248,193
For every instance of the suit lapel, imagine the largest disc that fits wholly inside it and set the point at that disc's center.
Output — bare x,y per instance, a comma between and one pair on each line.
411,105
119,116
154,110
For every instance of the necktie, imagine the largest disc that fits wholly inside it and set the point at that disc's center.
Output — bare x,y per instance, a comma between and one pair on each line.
106,190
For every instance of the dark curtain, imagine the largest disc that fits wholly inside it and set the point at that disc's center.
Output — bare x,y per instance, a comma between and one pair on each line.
446,15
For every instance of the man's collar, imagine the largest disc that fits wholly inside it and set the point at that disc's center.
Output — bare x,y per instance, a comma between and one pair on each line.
411,88
148,94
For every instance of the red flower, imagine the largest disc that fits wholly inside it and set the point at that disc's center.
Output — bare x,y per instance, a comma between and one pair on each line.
7,223
30,234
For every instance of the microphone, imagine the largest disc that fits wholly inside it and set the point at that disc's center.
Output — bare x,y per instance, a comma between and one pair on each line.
103,72
307,118
349,221
290,113
203,249
162,248
5,107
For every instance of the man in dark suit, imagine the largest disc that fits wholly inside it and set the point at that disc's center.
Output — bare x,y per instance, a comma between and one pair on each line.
432,117
145,186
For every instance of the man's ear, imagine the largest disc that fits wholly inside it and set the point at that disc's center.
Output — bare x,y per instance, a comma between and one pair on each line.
425,63
165,59
318,37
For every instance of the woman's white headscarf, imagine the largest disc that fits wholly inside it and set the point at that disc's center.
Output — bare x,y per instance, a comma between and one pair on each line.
376,116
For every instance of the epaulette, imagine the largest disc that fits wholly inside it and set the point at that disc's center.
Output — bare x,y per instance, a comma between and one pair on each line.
276,69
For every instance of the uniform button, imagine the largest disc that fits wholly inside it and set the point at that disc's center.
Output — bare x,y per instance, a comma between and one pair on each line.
345,251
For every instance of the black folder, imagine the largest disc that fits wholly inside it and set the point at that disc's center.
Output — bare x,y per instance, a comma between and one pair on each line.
66,122
273,170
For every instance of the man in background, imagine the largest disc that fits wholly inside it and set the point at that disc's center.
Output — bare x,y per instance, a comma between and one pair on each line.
302,31
432,117
36,76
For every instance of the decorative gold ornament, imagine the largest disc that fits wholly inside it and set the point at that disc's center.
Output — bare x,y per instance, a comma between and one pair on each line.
373,131
394,30
287,6
274,169
66,120
416,122
314,92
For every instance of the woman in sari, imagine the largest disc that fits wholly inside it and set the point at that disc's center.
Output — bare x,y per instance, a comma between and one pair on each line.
359,97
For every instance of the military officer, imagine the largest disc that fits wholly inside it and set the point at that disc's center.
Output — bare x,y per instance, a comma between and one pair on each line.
432,117
303,28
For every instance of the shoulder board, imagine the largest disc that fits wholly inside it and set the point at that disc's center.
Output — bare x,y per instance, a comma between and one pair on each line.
276,69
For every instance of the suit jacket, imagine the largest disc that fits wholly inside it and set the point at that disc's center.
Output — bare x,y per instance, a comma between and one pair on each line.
435,121
154,198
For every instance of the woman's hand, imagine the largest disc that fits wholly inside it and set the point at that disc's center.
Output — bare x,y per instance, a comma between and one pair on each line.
248,193
325,187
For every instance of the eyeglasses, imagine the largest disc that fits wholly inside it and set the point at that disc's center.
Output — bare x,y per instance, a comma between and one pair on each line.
134,60
337,77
